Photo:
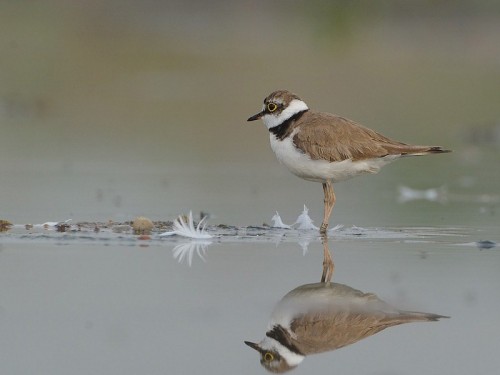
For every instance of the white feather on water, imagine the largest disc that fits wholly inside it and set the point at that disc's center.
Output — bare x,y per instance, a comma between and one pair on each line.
407,194
278,223
51,224
187,229
304,221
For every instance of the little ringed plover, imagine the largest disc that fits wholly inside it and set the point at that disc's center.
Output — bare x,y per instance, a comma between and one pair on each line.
326,148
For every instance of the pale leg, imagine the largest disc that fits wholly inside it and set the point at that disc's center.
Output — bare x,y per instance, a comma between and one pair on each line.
329,203
328,265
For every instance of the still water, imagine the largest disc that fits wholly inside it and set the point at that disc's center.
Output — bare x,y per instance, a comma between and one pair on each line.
108,112
104,303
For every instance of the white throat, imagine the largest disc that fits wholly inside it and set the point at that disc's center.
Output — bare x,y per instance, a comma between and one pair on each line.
293,108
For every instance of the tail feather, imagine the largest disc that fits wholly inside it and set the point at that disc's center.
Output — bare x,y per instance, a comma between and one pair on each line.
437,150
418,150
414,316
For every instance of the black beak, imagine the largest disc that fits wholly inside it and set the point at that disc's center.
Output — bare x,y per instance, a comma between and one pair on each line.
253,118
253,346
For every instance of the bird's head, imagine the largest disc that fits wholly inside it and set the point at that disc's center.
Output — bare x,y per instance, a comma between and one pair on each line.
278,107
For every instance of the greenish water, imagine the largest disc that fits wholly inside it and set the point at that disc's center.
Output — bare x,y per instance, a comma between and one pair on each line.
105,303
78,305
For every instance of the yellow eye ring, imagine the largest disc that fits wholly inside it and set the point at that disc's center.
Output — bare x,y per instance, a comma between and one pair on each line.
271,107
268,357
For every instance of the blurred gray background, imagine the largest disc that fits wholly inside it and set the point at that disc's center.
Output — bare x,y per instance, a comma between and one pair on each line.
117,108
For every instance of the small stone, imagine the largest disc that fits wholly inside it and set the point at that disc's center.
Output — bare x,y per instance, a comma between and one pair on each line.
5,225
142,225
486,244
62,227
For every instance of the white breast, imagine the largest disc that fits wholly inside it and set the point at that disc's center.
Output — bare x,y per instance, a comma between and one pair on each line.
300,164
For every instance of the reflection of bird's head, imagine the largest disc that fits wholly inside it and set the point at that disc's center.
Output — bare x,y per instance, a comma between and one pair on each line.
271,359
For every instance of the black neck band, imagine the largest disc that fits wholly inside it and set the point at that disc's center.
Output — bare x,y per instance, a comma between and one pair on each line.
280,131
283,337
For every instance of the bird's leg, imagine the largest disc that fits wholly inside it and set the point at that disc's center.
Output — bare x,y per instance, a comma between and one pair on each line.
329,203
328,265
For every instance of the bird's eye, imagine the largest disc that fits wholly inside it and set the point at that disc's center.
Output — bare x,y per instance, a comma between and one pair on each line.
271,107
268,357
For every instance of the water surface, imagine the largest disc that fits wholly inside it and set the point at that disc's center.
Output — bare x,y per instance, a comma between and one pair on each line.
124,306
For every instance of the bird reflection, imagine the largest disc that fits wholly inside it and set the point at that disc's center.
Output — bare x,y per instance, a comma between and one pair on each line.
328,265
320,317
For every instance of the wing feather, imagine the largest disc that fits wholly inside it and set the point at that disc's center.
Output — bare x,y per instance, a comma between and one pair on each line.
334,138
319,334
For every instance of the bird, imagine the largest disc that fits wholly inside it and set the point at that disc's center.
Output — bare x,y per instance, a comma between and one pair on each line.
320,317
327,148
